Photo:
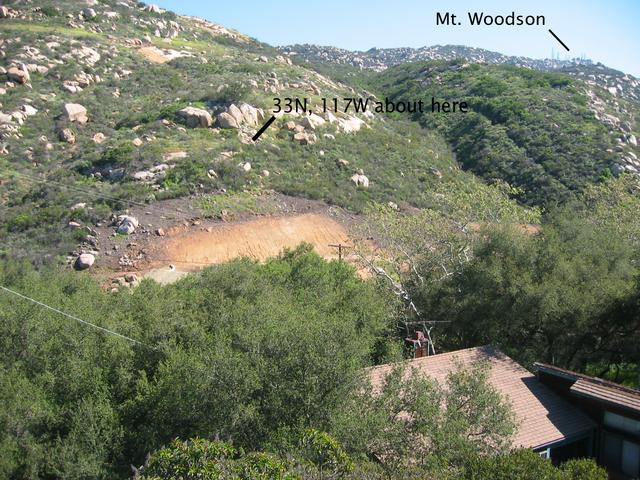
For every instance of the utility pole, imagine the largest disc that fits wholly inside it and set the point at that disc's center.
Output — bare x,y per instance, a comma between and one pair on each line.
339,246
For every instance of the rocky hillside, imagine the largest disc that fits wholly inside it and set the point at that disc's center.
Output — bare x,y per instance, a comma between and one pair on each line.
113,104
109,105
379,59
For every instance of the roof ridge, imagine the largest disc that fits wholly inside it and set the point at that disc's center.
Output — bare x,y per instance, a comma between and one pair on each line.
490,349
588,378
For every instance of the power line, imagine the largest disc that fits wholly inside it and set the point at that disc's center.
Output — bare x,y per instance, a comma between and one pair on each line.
77,319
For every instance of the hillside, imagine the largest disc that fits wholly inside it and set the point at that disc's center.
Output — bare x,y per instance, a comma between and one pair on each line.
94,123
534,130
180,300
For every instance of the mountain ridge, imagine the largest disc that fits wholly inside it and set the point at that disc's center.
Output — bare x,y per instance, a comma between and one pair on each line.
379,59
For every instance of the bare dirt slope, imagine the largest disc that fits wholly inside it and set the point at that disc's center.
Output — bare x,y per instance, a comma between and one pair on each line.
259,239
153,54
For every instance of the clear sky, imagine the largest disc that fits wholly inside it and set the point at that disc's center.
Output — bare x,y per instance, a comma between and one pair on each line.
604,31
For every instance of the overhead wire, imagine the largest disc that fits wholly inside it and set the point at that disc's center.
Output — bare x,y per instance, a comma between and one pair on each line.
76,318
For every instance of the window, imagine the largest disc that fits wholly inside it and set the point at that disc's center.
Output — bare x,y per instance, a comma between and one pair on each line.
630,459
544,453
620,454
621,423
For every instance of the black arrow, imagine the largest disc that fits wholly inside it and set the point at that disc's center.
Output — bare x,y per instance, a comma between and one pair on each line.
263,128
556,37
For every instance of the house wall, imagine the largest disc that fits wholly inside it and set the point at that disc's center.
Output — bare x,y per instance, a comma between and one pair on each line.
614,447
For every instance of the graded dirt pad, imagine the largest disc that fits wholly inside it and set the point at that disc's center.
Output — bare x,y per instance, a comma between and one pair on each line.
259,239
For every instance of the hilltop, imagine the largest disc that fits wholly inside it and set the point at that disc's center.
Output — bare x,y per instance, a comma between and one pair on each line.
379,59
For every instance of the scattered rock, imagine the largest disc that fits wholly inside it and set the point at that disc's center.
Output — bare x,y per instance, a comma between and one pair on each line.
160,232
137,142
153,9
342,162
28,110
195,117
99,138
79,206
246,166
127,224
312,121
67,135
225,120
360,180
143,175
19,75
435,172
174,156
330,117
75,113
89,13
351,124
84,261
301,138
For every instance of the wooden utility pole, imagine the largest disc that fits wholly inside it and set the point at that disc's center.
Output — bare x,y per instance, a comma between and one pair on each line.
339,246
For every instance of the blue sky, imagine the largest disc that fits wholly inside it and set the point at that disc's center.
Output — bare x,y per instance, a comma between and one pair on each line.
602,30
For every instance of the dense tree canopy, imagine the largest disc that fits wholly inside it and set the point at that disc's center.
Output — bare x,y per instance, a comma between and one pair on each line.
239,351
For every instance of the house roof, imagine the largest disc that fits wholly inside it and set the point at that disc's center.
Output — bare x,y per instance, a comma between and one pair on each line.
542,416
596,388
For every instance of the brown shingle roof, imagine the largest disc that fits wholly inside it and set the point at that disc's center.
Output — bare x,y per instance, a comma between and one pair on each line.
542,416
597,388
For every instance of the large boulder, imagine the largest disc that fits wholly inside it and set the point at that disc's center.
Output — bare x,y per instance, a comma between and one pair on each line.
127,224
84,261
236,113
226,120
19,75
195,117
75,113
153,9
251,115
312,121
351,124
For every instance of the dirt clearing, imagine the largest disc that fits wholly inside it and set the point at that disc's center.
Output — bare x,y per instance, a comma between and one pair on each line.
154,54
259,239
